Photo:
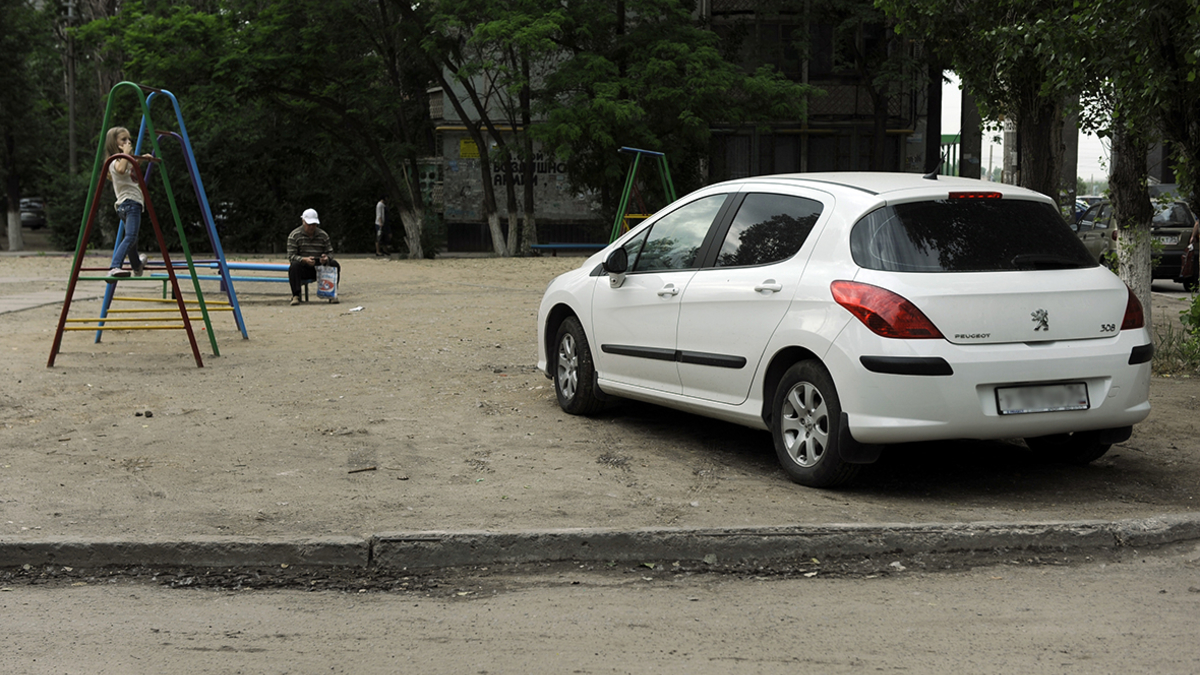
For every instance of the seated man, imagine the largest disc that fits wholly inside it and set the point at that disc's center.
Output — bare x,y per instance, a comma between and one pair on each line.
307,247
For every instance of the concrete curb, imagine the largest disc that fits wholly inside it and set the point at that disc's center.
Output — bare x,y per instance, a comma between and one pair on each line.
429,550
196,552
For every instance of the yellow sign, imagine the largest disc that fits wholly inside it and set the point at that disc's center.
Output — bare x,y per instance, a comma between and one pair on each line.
467,149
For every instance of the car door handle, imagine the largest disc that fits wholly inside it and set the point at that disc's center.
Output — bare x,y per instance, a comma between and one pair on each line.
769,286
669,289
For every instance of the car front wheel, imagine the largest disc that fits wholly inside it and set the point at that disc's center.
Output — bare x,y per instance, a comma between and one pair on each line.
805,423
1080,447
574,371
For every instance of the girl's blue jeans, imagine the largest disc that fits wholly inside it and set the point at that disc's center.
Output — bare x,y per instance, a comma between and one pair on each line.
130,212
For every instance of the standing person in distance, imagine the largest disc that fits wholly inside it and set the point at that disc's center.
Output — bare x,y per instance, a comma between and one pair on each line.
129,201
382,236
307,247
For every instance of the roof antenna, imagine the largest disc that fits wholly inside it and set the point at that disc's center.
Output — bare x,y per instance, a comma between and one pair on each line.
932,175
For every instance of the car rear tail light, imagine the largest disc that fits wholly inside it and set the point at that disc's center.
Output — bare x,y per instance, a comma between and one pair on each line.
883,312
1134,316
975,195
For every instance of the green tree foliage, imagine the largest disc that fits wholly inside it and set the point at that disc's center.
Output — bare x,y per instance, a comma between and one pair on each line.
27,118
1000,50
288,105
497,55
643,73
1146,79
1136,62
322,103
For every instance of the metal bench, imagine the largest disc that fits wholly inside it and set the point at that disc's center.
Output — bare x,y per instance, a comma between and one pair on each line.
276,268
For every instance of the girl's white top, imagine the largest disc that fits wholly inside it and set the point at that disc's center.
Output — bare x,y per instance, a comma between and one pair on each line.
125,186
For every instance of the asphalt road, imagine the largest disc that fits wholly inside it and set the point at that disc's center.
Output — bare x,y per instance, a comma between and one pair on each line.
1132,612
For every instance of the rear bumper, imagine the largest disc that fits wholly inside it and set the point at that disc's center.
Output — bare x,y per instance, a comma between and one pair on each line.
901,408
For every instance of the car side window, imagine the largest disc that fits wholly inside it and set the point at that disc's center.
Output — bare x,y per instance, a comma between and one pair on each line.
768,228
673,240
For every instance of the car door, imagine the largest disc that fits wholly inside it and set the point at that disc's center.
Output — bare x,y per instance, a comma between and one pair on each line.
635,323
732,305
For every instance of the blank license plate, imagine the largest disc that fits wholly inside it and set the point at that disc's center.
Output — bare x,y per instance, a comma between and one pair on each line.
1042,398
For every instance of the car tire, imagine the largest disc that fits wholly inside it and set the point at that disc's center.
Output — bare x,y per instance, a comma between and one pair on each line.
1079,447
1190,285
574,370
805,424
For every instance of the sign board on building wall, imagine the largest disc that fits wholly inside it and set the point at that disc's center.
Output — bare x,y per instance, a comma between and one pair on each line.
462,186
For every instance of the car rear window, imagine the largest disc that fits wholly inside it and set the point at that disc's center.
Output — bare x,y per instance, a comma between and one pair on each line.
966,235
1172,215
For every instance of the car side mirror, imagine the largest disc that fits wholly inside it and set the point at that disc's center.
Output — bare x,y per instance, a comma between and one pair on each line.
616,265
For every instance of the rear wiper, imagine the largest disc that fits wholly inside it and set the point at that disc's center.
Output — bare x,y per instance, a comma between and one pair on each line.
1044,261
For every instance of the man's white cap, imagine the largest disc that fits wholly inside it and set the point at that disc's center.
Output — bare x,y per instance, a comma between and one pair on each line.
310,216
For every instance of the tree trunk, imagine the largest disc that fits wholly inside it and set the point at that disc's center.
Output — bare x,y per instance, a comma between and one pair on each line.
473,129
933,120
412,219
529,223
1132,210
15,242
879,105
1041,150
510,202
12,190
489,202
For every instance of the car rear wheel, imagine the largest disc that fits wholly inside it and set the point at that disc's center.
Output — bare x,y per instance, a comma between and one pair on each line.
805,423
1080,447
574,371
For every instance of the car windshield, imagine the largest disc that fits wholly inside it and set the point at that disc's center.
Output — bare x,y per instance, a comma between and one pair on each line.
967,235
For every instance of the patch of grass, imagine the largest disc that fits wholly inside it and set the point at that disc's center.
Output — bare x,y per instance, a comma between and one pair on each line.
1177,344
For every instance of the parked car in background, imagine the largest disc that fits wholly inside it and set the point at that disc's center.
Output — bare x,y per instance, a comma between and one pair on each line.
846,311
1080,207
1083,203
33,213
1095,228
1171,228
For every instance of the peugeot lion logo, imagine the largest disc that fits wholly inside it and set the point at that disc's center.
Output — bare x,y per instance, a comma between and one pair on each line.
1042,318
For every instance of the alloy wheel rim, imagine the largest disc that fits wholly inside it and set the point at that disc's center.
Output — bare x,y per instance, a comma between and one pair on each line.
805,424
568,366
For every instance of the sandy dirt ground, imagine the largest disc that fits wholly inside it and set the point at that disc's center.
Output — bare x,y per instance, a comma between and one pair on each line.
415,405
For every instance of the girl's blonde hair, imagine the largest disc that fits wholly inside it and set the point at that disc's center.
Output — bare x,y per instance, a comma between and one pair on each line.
110,140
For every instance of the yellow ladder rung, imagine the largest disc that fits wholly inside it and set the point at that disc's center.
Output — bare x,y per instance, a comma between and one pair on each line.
135,319
179,327
227,308
207,303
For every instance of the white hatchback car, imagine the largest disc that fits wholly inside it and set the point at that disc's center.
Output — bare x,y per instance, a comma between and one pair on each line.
844,311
